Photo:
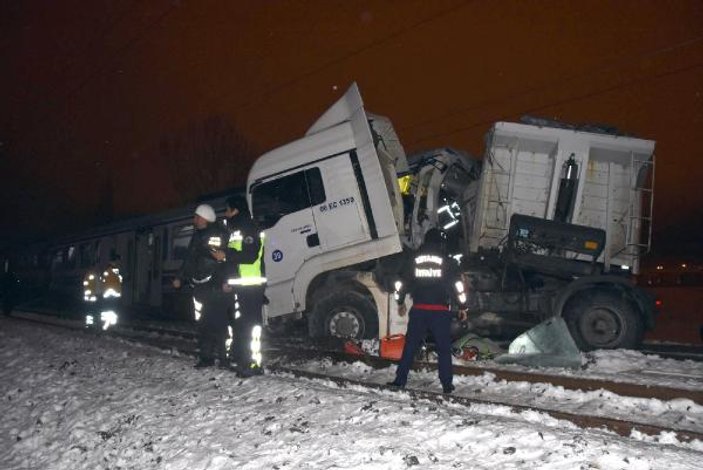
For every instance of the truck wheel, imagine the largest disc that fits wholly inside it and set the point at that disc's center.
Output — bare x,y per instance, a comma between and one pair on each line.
600,319
345,315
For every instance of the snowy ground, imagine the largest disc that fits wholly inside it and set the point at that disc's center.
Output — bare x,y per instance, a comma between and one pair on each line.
71,400
680,413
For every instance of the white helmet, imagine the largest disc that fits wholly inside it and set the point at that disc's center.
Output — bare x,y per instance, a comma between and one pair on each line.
206,212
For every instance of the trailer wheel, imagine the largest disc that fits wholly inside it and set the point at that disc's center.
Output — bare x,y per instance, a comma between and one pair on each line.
345,315
600,319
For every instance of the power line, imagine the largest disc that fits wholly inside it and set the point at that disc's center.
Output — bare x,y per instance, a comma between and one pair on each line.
354,53
561,102
275,89
399,33
100,69
558,81
101,36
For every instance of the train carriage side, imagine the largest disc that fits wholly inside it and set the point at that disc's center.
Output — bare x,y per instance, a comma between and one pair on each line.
149,251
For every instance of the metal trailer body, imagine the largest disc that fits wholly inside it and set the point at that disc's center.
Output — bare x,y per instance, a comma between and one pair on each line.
522,168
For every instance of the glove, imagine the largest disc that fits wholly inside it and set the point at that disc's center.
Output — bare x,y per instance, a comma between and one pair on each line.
463,314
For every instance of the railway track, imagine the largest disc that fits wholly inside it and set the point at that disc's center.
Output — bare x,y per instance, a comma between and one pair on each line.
674,351
283,360
622,427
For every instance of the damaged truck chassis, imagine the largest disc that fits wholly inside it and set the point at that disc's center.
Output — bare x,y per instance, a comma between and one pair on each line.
551,222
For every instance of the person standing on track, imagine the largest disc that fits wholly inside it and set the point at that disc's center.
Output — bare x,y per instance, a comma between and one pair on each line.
205,272
244,259
432,278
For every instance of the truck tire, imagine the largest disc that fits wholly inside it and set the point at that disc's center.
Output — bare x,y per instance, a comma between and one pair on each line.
344,314
603,319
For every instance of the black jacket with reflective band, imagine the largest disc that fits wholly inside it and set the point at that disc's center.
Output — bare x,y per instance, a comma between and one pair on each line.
430,277
199,265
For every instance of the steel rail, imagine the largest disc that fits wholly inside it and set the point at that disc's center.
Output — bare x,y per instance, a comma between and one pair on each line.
620,427
327,349
571,383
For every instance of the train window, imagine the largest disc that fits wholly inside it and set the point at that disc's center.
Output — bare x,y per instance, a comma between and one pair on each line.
71,257
155,253
181,240
83,256
164,252
96,252
88,255
130,260
57,260
291,193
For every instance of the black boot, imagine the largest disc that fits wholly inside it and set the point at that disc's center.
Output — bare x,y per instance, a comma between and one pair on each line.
202,363
449,388
250,371
396,384
224,364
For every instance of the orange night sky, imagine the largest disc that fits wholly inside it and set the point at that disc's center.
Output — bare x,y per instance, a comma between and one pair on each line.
91,88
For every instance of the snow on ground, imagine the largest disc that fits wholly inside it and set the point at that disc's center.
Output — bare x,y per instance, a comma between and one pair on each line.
680,413
73,400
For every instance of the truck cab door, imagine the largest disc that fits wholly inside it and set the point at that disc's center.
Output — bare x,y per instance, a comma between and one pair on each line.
283,207
340,219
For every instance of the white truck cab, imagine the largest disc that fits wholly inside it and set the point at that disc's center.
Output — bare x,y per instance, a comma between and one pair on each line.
328,202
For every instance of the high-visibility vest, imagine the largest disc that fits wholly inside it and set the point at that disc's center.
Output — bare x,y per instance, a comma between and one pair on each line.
248,274
90,287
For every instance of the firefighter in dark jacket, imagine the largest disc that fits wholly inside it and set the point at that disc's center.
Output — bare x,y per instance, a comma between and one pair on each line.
432,279
101,294
246,276
202,269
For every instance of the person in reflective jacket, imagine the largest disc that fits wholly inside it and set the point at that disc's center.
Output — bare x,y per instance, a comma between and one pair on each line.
110,291
432,279
102,290
243,258
205,272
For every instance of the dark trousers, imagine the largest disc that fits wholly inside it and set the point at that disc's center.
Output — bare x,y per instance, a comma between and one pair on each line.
91,309
251,301
422,321
95,309
212,328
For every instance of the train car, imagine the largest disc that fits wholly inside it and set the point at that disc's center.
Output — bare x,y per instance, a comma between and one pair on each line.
149,251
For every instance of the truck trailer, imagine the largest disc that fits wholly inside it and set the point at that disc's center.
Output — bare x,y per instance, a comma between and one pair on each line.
552,221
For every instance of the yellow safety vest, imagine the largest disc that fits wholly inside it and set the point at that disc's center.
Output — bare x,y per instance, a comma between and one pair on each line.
248,274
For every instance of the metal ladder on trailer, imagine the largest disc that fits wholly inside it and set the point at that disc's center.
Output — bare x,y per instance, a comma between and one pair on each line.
497,202
641,197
